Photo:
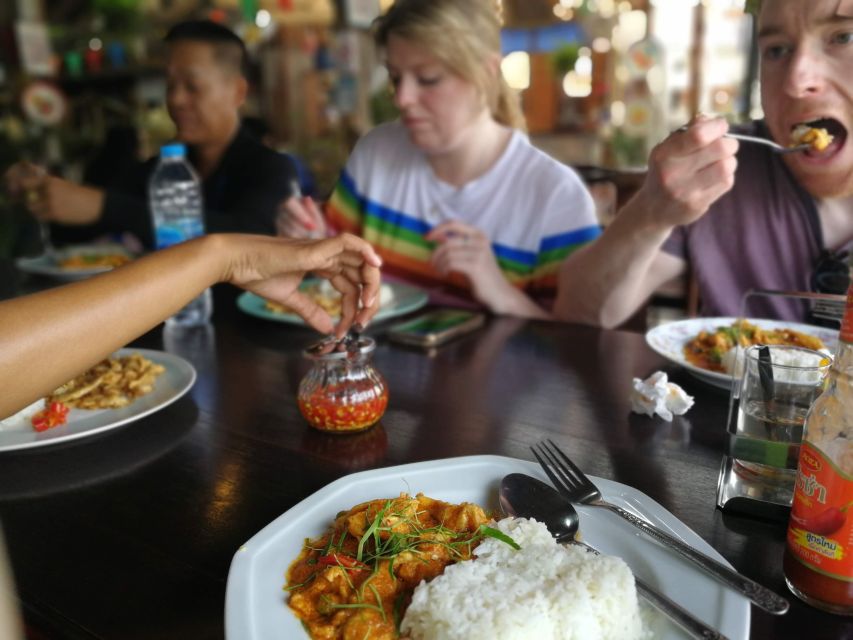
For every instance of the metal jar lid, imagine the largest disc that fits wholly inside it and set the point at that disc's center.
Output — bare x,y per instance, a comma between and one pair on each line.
333,349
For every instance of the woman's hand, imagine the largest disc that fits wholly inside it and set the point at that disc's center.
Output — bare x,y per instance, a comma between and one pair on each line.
274,267
50,336
466,250
300,218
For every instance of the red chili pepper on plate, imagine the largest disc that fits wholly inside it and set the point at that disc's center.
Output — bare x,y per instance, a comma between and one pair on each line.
53,415
337,560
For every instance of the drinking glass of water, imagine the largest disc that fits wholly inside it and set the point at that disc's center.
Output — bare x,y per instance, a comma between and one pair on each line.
769,406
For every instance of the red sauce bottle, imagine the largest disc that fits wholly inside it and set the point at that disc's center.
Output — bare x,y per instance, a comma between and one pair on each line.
818,560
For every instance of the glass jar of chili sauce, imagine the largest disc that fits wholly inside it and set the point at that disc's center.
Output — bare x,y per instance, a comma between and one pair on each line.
818,560
343,392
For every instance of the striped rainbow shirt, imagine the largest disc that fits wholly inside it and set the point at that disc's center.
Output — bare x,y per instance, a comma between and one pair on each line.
535,210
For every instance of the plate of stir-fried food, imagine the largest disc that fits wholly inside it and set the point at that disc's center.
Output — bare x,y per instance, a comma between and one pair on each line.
707,347
127,386
399,553
395,299
76,262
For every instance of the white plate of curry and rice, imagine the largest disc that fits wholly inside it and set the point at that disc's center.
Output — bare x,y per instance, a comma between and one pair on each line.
670,339
256,602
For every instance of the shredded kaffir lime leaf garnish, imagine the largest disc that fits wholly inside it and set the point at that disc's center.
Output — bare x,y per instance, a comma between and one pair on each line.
491,532
390,533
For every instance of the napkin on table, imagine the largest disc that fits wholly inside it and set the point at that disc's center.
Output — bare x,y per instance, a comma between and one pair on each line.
656,395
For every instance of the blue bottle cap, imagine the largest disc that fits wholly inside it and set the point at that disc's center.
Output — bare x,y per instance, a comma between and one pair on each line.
173,150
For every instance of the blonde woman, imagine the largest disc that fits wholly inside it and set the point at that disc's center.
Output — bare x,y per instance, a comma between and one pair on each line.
453,193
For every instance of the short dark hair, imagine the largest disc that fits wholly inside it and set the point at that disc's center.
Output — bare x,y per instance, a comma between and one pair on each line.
228,48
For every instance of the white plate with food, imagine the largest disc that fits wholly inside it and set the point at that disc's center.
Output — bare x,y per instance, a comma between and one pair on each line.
707,360
256,604
395,299
175,379
76,262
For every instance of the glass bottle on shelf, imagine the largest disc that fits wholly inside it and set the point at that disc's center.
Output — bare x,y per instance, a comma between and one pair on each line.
818,561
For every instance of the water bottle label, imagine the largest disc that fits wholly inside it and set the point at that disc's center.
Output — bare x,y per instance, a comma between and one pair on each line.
820,533
193,228
168,236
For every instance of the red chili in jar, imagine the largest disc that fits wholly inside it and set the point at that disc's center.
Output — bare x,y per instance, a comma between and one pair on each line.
342,392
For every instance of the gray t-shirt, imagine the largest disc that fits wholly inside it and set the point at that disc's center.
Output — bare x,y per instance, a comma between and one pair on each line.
763,234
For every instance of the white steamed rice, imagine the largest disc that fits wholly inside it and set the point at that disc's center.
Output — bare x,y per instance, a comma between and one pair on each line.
543,591
733,362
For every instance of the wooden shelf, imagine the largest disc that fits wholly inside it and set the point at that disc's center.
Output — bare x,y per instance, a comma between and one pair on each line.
129,75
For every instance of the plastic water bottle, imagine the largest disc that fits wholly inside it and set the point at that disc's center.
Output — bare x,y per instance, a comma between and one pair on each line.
174,195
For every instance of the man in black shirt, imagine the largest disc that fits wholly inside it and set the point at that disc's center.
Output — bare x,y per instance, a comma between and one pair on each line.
243,181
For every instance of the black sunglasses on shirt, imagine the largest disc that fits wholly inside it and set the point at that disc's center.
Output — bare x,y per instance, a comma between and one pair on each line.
831,273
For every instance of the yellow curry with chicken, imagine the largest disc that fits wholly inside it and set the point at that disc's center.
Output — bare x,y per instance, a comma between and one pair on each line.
356,581
706,349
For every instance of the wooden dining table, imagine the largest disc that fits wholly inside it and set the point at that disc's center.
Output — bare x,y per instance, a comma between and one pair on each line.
130,533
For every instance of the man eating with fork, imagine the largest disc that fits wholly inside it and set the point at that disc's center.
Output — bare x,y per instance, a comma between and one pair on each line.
738,217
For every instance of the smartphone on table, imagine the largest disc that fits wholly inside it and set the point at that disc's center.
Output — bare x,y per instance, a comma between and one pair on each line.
436,327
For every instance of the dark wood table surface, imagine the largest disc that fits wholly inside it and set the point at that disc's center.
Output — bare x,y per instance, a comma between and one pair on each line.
130,534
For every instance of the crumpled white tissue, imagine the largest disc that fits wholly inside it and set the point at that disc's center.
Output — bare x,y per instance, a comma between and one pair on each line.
656,395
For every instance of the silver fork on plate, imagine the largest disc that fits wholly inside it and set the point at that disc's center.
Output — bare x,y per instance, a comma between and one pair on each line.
577,488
